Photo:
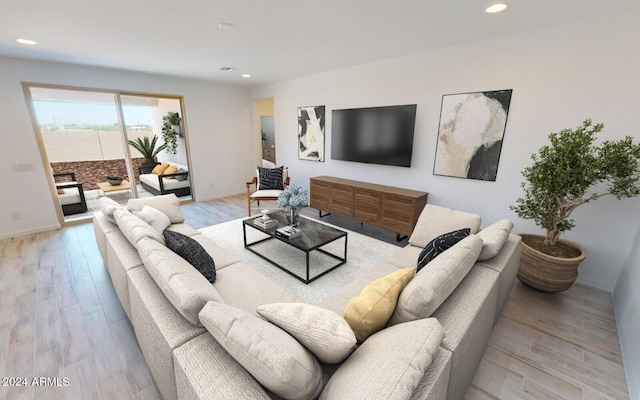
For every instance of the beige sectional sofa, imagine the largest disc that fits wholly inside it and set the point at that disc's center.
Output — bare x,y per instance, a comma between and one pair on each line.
430,350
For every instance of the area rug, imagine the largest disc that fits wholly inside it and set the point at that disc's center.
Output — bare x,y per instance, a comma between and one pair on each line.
363,253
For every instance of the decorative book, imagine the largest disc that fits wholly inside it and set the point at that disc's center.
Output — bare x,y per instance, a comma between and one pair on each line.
289,232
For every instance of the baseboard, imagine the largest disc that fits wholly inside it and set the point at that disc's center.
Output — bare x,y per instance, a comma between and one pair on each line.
219,196
29,231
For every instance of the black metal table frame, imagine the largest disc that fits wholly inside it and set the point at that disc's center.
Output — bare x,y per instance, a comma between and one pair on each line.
342,260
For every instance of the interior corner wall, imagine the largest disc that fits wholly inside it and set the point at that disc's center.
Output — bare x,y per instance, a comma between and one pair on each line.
560,75
218,126
626,300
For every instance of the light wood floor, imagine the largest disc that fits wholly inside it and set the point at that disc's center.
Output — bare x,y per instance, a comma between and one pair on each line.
60,318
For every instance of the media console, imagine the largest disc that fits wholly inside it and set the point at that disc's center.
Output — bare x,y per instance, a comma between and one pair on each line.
386,207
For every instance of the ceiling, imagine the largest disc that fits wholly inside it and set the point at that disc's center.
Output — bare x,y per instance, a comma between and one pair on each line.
272,40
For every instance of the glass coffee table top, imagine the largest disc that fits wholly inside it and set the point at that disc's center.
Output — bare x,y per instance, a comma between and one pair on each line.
313,236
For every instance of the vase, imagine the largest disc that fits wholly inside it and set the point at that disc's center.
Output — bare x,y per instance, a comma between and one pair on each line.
293,217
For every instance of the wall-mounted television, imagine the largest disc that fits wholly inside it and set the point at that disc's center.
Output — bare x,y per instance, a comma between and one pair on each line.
376,135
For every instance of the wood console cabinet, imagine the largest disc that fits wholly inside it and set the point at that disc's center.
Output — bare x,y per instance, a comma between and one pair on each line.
386,207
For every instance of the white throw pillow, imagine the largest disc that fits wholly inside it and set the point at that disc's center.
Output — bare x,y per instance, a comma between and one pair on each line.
430,287
435,221
325,333
154,217
271,355
389,365
134,228
169,204
493,238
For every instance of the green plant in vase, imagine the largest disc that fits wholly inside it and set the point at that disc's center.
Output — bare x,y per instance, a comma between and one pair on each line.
147,147
171,129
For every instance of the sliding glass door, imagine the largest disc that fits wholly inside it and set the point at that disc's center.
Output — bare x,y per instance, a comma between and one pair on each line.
84,136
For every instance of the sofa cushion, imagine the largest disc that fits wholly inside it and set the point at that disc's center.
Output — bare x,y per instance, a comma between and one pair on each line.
424,294
159,169
185,229
170,170
493,238
271,355
108,207
193,252
152,216
134,228
370,311
388,365
439,245
325,333
435,221
168,204
183,285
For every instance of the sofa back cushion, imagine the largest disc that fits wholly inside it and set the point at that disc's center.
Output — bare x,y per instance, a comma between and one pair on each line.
169,204
493,238
434,283
277,360
134,228
388,365
108,207
183,285
435,221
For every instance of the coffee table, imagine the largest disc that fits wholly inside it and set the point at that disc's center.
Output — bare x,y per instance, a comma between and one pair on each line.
314,236
107,187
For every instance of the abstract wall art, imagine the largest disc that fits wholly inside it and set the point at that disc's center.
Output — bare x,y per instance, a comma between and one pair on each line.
311,133
472,127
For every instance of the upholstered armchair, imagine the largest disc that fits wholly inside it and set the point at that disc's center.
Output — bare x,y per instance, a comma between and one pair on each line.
70,194
268,183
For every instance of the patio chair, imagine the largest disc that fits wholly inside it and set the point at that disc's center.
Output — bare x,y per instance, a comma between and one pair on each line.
70,194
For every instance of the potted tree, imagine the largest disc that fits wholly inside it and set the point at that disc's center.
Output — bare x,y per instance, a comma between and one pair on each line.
171,129
147,147
569,172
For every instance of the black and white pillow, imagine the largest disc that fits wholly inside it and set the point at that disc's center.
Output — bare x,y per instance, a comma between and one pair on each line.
192,252
439,245
181,177
270,178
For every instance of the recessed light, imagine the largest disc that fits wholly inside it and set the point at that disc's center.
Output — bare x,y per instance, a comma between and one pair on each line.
496,8
246,75
226,69
225,25
26,41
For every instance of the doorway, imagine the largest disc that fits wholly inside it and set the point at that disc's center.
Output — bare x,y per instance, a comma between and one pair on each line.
84,137
264,128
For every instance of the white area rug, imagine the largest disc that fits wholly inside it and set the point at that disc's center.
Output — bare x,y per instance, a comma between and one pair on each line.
363,253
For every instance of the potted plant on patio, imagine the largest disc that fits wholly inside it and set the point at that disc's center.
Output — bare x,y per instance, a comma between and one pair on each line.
147,147
569,172
171,129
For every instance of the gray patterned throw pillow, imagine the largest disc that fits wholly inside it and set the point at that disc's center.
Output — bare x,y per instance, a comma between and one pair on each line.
271,178
439,245
192,252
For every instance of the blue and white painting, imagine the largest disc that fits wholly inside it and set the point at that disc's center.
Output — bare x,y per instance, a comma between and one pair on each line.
470,135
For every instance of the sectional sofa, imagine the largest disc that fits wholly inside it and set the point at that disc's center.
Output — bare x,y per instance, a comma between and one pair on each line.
206,341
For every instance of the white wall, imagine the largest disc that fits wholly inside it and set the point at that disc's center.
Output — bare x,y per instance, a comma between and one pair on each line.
219,120
560,76
626,298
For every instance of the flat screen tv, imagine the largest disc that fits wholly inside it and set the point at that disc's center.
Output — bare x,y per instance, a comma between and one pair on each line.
376,135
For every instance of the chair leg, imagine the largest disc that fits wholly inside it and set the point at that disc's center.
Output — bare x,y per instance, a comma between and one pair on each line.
249,206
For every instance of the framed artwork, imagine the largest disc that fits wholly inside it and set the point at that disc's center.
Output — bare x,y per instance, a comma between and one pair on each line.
470,134
311,133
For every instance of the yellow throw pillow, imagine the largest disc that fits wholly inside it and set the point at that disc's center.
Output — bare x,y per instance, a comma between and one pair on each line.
170,170
60,191
369,312
159,169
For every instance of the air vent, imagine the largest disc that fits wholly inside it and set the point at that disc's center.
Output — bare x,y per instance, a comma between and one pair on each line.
226,69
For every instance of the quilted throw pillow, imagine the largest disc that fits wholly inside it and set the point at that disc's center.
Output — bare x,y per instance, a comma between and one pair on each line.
440,244
181,178
192,252
270,178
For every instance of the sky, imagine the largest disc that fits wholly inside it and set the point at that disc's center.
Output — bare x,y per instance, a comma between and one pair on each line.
63,113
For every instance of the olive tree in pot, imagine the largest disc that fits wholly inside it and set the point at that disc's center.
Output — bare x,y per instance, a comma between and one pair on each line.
569,172
147,147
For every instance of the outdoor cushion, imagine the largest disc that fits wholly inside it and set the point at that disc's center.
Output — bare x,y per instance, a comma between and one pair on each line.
274,358
167,184
168,204
159,169
493,238
170,170
428,289
435,221
325,333
388,365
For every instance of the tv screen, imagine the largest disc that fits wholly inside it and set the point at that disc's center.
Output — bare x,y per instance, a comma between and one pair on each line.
377,135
